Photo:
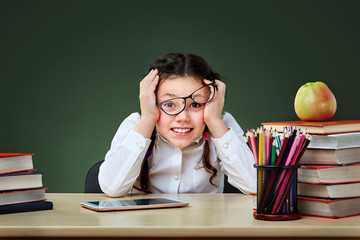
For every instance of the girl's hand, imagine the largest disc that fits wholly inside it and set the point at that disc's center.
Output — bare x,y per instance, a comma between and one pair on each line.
147,96
149,111
214,109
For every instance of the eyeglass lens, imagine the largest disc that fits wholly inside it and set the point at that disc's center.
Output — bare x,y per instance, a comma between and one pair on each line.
176,105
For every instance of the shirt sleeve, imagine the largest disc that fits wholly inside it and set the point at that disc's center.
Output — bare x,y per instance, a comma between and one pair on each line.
123,161
237,161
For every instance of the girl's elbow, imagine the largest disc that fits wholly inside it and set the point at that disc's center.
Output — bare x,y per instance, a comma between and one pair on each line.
114,194
111,192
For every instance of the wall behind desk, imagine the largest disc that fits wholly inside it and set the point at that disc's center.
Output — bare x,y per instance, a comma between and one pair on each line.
70,70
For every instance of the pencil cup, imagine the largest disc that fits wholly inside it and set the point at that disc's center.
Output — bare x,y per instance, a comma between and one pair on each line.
276,192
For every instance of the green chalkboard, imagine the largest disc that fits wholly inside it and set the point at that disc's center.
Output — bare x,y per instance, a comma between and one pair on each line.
70,70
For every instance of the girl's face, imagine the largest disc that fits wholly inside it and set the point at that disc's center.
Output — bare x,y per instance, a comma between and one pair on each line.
184,128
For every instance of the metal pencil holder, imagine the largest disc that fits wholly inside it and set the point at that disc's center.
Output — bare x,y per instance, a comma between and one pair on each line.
276,192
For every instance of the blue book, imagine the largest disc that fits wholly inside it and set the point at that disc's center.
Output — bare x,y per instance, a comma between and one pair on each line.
26,207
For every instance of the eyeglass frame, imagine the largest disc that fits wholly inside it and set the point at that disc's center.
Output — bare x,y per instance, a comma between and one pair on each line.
210,84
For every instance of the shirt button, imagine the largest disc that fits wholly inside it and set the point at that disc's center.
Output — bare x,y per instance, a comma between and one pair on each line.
176,177
226,146
140,145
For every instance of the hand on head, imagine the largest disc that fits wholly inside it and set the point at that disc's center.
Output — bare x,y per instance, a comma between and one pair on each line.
213,109
147,96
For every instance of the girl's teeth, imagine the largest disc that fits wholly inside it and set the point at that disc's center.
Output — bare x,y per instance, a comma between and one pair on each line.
181,130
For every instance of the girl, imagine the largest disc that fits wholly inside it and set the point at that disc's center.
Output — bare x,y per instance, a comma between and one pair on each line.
182,142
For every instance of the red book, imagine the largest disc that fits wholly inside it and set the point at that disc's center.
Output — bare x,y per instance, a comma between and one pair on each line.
344,156
339,190
329,208
329,174
327,127
15,162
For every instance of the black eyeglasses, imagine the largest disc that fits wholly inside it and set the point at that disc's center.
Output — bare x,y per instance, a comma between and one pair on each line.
202,95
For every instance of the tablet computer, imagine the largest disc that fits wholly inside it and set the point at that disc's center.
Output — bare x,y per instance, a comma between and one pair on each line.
130,204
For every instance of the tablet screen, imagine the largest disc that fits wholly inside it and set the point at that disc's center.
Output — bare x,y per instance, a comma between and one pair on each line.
127,204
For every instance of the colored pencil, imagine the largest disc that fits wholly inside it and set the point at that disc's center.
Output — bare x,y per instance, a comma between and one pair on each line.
273,153
277,188
253,144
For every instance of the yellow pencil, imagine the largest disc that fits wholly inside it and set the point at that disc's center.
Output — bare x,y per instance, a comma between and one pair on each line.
260,147
260,171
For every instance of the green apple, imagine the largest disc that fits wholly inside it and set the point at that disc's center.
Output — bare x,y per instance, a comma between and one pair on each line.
314,101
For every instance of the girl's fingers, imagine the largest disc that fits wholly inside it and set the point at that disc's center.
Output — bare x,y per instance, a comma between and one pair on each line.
150,79
220,86
155,82
207,81
153,73
217,82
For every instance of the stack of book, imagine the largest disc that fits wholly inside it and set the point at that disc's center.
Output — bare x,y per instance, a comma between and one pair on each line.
329,177
21,188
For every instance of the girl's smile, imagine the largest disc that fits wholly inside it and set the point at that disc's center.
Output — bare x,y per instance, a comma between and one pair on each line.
181,131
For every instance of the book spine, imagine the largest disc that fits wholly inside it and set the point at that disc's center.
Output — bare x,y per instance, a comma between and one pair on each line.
26,207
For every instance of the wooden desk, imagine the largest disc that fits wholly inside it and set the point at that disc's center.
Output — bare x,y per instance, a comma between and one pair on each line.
208,216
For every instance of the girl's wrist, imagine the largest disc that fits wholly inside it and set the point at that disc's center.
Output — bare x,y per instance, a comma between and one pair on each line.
149,118
146,126
217,128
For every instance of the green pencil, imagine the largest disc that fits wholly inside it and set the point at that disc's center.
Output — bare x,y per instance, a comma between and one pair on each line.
273,153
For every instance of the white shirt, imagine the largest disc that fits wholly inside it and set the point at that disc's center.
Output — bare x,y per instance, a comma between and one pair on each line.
175,170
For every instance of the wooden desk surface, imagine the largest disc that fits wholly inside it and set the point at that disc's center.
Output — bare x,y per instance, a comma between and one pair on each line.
208,215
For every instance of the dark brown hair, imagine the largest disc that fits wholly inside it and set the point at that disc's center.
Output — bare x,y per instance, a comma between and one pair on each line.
178,64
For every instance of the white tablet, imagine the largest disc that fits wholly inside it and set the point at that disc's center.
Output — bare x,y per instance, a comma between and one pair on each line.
131,204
